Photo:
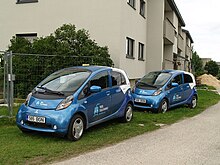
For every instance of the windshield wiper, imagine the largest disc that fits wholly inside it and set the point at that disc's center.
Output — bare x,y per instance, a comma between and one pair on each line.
50,91
147,84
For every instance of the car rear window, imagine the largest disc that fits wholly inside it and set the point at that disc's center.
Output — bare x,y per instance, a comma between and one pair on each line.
188,78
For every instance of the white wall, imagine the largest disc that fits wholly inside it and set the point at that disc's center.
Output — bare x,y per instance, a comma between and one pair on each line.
155,22
100,17
134,26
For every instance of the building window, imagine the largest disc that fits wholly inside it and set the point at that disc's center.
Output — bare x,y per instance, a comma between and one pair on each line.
29,36
129,48
142,8
131,3
140,51
26,1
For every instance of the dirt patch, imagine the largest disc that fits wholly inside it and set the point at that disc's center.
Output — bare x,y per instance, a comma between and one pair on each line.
210,80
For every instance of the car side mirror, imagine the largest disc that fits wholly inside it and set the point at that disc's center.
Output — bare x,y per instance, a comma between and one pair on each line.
174,84
95,89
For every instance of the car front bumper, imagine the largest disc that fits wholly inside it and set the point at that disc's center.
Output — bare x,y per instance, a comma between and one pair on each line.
152,102
55,121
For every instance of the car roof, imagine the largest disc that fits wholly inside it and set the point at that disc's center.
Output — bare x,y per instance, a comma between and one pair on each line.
89,68
172,71
175,72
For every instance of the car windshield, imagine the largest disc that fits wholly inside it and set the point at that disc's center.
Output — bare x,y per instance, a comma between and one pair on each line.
154,80
67,80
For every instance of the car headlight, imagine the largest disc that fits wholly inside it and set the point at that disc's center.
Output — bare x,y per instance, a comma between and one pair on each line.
27,99
157,92
65,103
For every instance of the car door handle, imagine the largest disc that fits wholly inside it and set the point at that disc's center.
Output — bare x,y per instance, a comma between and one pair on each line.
108,93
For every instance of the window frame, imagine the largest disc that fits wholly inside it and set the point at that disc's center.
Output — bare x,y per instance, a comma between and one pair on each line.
140,51
142,8
132,3
28,36
26,1
130,48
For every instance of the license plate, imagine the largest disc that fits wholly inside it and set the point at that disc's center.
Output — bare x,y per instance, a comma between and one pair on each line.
140,100
36,119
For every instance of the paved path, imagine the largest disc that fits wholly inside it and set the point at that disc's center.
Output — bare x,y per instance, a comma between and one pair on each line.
194,141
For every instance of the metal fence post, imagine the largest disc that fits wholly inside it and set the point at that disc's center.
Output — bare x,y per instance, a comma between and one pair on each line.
11,84
4,83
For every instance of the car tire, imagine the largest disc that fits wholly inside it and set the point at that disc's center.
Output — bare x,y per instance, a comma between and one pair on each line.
76,128
128,114
193,103
163,106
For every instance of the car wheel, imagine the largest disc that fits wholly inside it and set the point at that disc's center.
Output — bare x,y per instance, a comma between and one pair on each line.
128,114
163,106
76,128
193,103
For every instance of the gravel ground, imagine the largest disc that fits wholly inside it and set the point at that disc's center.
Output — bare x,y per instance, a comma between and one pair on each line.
194,141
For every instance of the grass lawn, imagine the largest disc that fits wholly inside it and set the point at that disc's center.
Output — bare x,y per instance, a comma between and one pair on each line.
38,148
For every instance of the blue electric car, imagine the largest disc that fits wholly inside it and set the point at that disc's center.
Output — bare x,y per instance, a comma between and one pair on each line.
73,99
160,90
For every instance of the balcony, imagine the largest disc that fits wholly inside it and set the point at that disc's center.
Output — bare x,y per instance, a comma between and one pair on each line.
169,32
188,51
180,44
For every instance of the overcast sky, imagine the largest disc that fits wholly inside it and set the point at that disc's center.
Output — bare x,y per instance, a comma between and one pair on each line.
202,18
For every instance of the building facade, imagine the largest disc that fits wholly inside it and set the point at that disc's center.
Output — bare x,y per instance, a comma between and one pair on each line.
142,35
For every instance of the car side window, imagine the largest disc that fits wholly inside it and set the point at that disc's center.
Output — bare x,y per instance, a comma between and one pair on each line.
177,79
188,78
101,79
117,79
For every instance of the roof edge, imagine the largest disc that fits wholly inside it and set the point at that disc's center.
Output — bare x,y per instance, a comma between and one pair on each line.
176,10
188,35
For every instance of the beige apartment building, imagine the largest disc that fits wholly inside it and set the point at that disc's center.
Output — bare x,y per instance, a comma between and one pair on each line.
142,35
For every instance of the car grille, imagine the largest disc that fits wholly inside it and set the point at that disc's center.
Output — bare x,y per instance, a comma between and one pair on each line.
38,125
142,104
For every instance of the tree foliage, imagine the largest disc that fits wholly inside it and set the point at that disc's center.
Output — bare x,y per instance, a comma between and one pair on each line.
197,64
212,68
65,47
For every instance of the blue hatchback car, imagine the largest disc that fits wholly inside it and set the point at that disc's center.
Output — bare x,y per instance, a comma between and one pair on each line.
160,90
73,99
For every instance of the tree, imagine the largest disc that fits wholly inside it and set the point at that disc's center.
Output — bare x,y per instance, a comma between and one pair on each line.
65,47
212,68
197,64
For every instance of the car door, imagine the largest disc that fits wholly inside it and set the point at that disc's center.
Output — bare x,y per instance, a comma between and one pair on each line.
117,94
175,94
187,90
97,104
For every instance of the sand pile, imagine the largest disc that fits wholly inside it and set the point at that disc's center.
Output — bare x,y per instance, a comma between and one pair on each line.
208,79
